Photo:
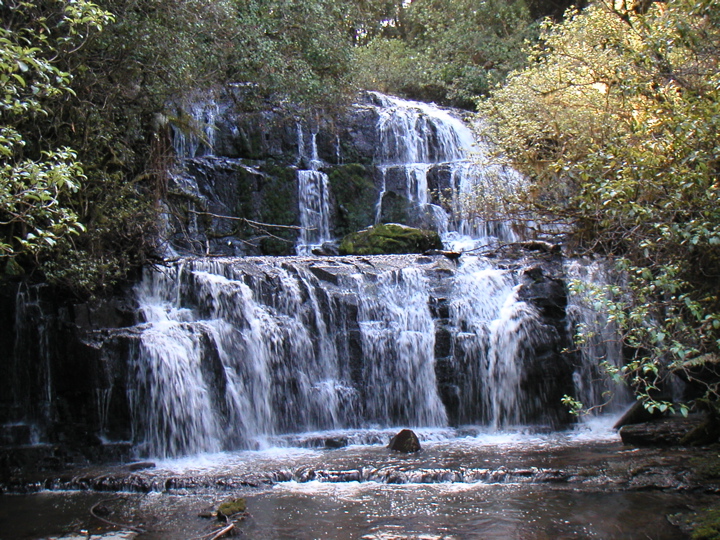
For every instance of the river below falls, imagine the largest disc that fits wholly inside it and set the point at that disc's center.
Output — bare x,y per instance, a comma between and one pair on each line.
464,484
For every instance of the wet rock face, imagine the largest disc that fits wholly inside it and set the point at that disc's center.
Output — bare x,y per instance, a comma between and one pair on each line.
57,385
549,369
246,168
240,182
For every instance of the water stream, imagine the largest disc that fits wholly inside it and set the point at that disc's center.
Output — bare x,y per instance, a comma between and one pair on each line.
232,351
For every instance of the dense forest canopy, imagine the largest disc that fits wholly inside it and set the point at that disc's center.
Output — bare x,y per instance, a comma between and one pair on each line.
612,111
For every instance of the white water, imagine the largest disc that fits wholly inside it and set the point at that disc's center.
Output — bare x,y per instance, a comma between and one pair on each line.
398,339
236,352
593,383
416,141
416,137
313,198
194,130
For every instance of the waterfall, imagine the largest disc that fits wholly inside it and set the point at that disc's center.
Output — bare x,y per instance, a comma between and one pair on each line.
194,129
313,198
497,337
233,351
417,139
398,339
227,357
426,164
30,381
593,385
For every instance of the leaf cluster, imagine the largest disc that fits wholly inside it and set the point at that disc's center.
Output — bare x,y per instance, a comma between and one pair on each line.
37,177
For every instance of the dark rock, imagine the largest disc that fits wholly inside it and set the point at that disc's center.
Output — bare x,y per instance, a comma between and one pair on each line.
539,245
452,255
101,510
354,195
708,432
699,374
406,441
15,435
324,273
327,249
545,291
336,442
141,465
664,432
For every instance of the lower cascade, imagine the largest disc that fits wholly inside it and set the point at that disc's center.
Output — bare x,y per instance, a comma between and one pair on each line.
234,351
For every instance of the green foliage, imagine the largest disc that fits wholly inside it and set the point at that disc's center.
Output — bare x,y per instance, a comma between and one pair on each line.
37,179
299,51
447,51
615,122
392,66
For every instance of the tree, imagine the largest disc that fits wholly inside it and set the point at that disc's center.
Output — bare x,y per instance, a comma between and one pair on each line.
37,179
450,52
615,122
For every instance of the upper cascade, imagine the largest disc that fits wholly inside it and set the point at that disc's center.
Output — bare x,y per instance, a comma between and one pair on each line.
417,132
299,184
313,197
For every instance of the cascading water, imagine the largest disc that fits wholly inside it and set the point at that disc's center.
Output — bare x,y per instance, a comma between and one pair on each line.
497,338
313,198
398,341
247,359
233,351
428,169
600,343
194,130
418,139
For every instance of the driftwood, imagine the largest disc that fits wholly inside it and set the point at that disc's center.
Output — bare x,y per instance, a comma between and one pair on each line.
222,532
230,527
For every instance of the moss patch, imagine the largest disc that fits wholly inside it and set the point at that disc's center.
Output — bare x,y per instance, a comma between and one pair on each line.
707,526
229,508
708,466
278,206
389,238
395,208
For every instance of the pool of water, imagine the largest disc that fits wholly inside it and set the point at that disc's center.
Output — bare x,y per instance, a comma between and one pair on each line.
365,491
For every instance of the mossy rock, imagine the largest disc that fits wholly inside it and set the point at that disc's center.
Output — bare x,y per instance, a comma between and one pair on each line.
278,206
232,507
395,208
389,238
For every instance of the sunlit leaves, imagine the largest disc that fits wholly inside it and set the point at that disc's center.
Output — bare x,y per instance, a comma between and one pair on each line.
616,123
